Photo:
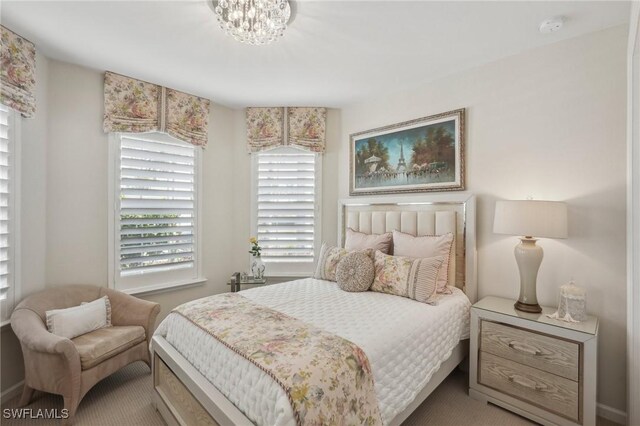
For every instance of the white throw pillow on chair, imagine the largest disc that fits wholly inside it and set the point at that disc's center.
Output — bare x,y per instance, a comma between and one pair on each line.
77,320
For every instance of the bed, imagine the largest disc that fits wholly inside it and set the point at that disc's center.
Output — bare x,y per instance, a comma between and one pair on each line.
198,380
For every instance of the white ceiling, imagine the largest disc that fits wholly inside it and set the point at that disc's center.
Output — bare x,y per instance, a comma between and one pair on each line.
334,53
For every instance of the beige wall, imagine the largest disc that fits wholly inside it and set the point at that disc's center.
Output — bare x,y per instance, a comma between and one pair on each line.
76,178
34,144
548,123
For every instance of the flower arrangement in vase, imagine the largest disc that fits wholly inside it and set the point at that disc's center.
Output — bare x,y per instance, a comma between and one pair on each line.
257,266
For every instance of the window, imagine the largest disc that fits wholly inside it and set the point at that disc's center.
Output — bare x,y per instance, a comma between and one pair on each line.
286,209
155,220
9,210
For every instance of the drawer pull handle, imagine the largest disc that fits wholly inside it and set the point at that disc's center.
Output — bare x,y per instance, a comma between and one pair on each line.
525,348
527,383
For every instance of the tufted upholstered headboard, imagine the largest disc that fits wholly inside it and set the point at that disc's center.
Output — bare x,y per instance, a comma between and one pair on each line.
421,215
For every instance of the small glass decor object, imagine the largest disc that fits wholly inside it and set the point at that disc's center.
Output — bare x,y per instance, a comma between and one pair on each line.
573,303
257,266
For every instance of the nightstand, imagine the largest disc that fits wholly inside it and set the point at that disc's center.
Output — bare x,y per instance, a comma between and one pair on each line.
538,367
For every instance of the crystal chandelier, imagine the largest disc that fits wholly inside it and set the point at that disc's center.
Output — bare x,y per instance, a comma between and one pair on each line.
253,21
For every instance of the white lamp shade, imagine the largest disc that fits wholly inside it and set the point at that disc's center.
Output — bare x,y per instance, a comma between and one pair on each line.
530,218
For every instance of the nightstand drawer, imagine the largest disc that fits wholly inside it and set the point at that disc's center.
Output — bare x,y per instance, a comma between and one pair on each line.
553,355
551,392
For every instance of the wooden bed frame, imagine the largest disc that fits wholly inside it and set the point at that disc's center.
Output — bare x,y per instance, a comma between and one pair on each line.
183,396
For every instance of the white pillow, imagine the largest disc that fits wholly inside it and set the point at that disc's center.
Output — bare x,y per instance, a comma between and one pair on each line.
77,320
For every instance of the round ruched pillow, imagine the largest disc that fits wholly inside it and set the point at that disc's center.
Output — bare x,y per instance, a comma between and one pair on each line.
355,272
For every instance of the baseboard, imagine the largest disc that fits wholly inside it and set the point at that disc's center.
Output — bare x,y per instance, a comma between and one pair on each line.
12,392
612,414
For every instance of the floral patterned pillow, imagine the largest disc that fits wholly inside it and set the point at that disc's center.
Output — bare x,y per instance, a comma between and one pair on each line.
407,277
328,261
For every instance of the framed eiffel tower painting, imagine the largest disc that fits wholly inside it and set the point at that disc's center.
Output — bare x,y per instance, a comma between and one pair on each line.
425,154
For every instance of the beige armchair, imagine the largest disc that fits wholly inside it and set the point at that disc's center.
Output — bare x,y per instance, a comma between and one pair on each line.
70,367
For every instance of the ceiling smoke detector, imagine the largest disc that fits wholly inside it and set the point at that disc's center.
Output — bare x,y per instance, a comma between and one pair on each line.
551,25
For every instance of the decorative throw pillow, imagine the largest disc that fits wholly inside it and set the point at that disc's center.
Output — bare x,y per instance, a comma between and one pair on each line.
77,320
360,241
328,261
406,276
355,272
426,246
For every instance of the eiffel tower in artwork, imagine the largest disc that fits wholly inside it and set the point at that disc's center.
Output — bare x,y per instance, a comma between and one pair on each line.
402,165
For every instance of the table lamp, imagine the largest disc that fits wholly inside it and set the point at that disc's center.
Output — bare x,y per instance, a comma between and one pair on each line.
530,219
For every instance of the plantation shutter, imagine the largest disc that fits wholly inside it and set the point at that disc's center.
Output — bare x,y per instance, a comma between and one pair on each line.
6,174
286,206
157,205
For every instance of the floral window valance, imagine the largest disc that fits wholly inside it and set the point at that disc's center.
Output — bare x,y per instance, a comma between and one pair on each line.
305,128
265,128
136,106
17,73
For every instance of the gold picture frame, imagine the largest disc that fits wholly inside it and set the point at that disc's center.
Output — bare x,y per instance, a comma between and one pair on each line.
421,155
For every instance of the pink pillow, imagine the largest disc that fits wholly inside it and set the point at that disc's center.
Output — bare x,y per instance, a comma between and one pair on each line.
426,246
407,276
360,241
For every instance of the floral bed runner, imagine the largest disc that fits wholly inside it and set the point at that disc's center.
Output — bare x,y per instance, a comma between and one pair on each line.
327,378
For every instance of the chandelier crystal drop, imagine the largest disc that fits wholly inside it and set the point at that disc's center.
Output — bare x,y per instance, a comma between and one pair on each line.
253,21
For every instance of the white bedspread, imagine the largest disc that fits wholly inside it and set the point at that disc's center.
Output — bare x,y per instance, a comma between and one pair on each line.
406,341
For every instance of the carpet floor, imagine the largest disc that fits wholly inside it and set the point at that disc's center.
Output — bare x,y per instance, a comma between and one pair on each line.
124,398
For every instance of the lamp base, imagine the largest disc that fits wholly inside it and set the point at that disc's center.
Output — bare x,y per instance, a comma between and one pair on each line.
528,257
525,307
